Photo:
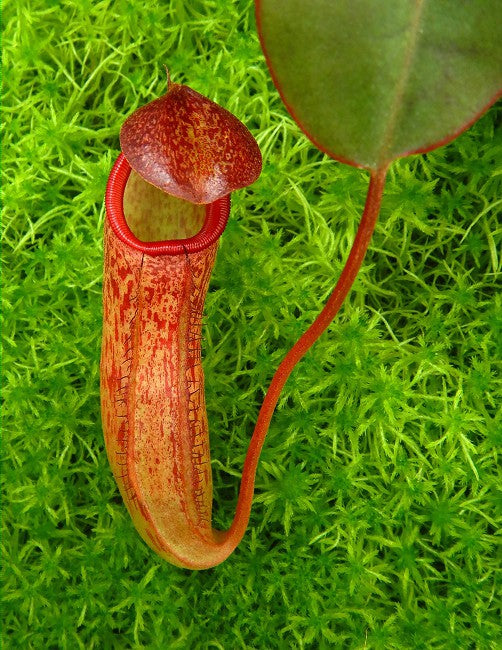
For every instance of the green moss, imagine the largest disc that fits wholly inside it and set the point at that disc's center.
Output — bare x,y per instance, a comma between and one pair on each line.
376,502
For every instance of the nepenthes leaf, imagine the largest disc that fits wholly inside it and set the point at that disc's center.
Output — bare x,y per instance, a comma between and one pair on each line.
371,81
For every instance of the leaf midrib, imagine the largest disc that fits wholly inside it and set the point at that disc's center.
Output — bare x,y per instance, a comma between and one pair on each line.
397,103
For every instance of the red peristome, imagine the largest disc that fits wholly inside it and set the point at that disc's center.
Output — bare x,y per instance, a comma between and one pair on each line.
190,147
214,224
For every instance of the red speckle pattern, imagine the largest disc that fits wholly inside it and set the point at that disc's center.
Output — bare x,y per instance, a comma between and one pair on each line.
190,147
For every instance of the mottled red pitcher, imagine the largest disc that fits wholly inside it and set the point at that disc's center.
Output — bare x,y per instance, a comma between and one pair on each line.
159,254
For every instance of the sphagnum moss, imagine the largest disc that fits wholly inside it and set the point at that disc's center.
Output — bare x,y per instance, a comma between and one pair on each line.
377,496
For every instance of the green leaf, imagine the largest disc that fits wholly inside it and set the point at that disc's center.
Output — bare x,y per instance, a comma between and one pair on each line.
370,81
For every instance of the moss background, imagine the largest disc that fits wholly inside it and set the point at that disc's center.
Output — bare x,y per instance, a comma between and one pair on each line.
376,512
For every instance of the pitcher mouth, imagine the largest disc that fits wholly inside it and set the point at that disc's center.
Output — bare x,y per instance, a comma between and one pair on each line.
216,218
